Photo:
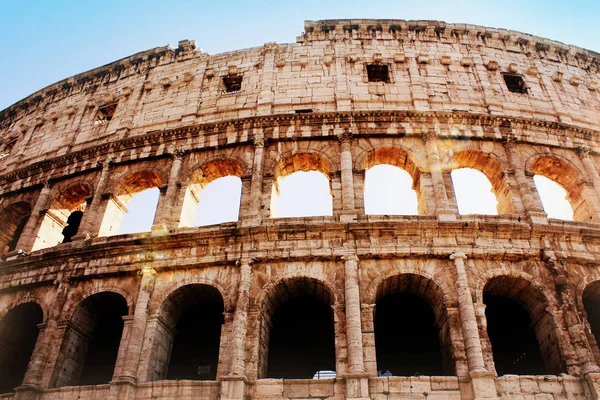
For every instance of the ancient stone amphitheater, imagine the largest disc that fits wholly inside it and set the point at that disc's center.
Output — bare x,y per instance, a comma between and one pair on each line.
430,306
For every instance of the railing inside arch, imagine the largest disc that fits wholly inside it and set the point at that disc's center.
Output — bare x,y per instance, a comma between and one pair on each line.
325,374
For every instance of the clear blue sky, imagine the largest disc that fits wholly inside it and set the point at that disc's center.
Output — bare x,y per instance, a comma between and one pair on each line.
44,41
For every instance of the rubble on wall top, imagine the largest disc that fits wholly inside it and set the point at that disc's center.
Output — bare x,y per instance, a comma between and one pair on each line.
369,28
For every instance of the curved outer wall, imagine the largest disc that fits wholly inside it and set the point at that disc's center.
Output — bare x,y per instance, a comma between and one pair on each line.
163,118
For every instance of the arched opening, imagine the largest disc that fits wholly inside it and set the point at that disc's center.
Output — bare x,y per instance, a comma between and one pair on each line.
412,333
18,336
521,331
13,219
132,205
473,192
61,221
480,184
191,350
554,198
389,191
91,342
568,177
392,183
301,187
591,304
297,327
214,194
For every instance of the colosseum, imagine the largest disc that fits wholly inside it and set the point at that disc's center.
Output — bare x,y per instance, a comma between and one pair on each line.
437,305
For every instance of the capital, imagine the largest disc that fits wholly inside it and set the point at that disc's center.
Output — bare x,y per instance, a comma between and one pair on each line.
178,154
346,136
259,142
350,257
427,135
583,151
458,255
147,271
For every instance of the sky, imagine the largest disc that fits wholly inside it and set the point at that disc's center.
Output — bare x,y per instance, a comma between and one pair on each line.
46,41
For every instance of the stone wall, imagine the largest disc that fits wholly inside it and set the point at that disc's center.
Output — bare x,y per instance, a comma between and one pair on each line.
166,118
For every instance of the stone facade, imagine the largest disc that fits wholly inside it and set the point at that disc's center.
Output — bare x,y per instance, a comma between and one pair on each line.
425,96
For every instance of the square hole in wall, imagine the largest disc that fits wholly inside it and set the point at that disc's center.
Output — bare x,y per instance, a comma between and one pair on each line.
105,114
233,83
378,73
7,148
515,83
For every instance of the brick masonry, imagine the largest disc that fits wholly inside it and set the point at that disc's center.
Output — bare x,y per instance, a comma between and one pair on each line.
165,118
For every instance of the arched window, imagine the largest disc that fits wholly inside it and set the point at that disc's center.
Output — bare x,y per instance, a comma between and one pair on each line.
61,221
410,338
591,304
191,350
554,198
389,191
141,211
297,326
214,194
303,194
18,336
301,187
578,193
219,201
135,196
12,219
473,192
91,342
520,329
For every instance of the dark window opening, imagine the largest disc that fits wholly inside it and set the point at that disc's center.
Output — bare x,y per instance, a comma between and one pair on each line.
406,338
18,335
514,344
72,226
195,352
378,73
233,83
103,348
304,111
591,304
515,83
12,244
302,339
105,114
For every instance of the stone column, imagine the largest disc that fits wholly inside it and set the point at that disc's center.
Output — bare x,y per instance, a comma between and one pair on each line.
30,230
30,387
592,173
53,336
167,210
467,315
571,322
356,377
482,381
348,213
233,385
138,326
253,216
443,210
530,198
94,210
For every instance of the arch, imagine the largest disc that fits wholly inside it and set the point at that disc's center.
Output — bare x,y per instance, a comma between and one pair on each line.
90,346
520,327
396,157
13,218
200,178
567,175
492,168
61,221
287,309
187,339
295,163
18,337
128,186
23,298
590,303
412,330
